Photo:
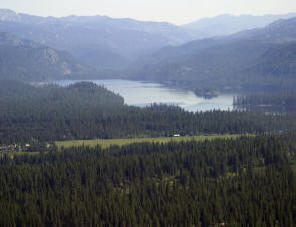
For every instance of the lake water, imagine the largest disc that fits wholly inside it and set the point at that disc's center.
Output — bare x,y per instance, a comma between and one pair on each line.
141,94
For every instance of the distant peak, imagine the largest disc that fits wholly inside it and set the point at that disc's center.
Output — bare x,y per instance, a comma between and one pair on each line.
7,11
284,21
225,15
8,15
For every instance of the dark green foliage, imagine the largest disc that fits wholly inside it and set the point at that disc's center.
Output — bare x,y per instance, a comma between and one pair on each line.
276,102
243,182
86,111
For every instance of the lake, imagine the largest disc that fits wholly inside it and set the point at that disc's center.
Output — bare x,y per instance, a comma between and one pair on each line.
141,94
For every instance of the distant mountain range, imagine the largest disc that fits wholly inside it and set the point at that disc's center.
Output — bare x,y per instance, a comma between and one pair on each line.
112,44
92,46
250,60
29,61
228,24
101,41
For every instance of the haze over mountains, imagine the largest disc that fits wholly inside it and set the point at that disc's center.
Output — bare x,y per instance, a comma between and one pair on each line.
101,41
228,24
260,58
29,61
87,47
108,43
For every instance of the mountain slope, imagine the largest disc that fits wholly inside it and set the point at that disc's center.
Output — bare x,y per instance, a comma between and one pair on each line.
228,24
255,59
28,61
121,39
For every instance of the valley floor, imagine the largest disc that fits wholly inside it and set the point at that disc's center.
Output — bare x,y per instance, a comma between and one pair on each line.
121,142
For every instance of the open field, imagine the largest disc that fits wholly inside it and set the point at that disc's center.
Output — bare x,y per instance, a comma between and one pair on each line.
121,142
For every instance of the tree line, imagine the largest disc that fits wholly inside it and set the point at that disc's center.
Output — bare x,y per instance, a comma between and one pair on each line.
88,111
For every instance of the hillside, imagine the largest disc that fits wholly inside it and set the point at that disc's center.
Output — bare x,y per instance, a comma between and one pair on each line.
229,24
249,60
127,48
84,111
111,45
103,42
29,61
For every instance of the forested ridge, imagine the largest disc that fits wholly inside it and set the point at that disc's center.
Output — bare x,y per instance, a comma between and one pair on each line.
248,181
88,111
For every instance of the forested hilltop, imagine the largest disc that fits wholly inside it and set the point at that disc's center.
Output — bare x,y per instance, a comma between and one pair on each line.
87,111
250,181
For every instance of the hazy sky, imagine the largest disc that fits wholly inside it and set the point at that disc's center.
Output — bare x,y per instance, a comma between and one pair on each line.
174,11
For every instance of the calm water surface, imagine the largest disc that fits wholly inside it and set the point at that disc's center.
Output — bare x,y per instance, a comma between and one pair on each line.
141,94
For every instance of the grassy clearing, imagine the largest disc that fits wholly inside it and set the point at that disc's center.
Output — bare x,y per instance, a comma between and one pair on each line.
122,142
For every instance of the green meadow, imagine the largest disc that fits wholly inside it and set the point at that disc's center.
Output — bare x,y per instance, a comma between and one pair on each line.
104,143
